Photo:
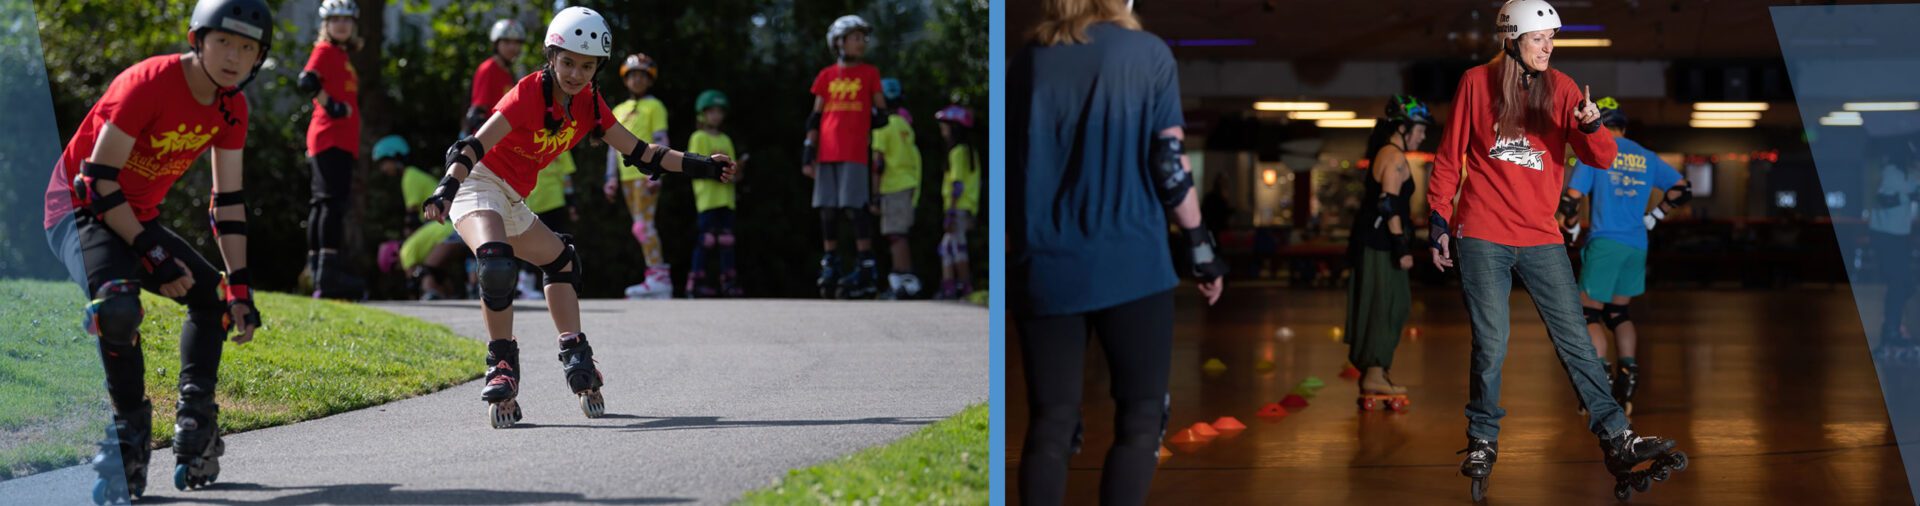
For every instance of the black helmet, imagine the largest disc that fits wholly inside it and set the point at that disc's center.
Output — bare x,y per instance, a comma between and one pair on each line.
1610,115
246,18
1406,109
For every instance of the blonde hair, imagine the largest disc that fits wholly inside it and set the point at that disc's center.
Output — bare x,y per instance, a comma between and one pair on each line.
1066,21
352,43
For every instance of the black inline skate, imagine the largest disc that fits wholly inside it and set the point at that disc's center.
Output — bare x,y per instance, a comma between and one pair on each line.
122,461
576,358
1478,465
197,446
1628,450
502,383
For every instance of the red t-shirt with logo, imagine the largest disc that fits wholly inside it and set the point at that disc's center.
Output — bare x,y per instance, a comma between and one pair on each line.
151,103
342,83
846,120
531,146
490,82
1509,188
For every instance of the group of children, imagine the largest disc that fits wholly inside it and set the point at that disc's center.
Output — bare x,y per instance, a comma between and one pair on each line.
503,199
868,163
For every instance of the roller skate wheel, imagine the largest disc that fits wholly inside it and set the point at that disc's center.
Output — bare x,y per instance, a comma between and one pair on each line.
502,413
1397,405
1640,483
1621,492
100,491
592,404
1661,475
180,477
1679,461
1366,404
1479,489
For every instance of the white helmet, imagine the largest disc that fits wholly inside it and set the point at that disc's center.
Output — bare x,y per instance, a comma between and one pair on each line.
580,30
1523,16
841,27
331,8
507,29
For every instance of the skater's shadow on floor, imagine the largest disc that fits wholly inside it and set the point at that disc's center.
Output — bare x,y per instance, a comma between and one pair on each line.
385,493
654,423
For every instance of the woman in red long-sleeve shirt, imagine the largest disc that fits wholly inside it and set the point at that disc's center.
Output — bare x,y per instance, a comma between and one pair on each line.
1502,155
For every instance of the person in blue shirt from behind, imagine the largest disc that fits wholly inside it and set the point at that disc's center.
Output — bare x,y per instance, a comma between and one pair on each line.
1614,260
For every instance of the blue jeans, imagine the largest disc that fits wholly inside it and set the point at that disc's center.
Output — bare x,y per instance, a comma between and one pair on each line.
1486,275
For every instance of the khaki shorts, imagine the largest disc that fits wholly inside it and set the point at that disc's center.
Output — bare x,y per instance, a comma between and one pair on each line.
896,213
483,191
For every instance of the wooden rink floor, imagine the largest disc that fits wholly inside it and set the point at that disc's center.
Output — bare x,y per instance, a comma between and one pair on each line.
1772,394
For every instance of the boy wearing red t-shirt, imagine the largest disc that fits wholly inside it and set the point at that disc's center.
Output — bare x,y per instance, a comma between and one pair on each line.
846,107
102,221
484,193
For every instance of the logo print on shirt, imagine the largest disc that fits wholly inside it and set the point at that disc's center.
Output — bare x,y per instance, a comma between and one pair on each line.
180,140
551,142
845,88
1517,151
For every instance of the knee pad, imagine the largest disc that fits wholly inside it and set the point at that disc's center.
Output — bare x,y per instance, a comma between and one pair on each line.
498,272
862,222
114,314
1616,315
709,240
828,218
1593,315
725,239
945,249
564,268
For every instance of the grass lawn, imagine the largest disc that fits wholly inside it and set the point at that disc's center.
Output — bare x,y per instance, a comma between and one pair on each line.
312,359
945,463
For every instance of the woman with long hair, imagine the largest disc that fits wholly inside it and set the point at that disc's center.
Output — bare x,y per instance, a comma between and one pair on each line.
1513,119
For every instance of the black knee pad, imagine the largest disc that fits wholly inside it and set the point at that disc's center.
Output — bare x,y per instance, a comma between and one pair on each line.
862,222
828,218
114,314
1593,315
498,272
1616,315
555,270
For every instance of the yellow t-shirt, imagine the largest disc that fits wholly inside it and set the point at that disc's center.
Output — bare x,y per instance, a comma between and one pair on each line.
709,194
641,116
415,186
962,170
896,146
550,187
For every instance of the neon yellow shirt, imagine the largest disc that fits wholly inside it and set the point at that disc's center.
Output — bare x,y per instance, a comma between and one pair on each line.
415,186
709,194
642,116
961,169
896,146
550,187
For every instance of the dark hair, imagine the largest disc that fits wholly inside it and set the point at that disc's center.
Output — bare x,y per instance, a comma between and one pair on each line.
547,78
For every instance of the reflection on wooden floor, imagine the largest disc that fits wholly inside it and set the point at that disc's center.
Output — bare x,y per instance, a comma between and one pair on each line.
1772,393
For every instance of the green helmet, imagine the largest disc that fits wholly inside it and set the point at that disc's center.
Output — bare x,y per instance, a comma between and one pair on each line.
709,99
391,146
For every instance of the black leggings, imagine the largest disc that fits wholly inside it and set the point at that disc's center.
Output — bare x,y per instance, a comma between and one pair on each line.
109,258
332,185
1138,339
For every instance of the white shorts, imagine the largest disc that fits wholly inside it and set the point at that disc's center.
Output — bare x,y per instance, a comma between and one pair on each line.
483,191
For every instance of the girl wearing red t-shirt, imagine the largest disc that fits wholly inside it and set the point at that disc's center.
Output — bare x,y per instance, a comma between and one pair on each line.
496,74
102,221
1512,120
333,143
546,114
